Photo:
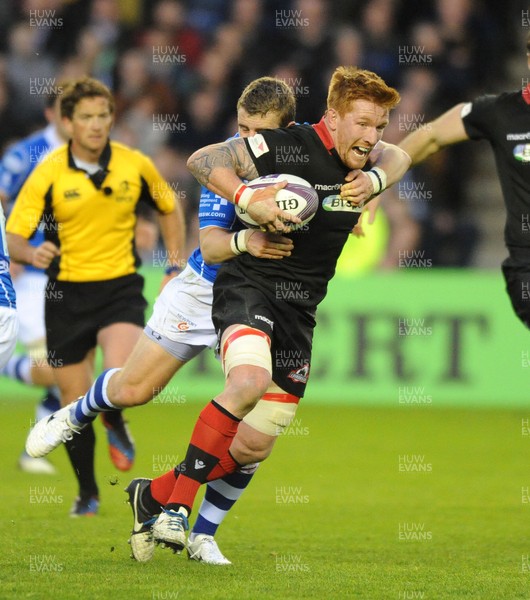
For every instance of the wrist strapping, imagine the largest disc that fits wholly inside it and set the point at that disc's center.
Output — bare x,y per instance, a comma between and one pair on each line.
242,196
378,178
238,243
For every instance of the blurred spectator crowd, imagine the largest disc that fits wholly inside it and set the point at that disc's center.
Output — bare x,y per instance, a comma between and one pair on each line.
177,68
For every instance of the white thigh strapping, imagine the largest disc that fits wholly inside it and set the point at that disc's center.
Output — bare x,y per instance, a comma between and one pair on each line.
274,412
245,346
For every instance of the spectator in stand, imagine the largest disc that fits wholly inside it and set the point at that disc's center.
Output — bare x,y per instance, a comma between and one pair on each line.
135,81
30,74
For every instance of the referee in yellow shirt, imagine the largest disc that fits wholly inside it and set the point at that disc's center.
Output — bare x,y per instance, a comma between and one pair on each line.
85,195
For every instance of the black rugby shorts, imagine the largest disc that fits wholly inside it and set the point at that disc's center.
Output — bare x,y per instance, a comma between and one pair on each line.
516,271
290,327
75,313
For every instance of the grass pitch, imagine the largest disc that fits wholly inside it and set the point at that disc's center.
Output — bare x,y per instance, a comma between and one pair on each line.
353,503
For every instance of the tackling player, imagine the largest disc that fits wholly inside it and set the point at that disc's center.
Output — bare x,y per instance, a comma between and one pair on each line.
504,121
355,125
87,194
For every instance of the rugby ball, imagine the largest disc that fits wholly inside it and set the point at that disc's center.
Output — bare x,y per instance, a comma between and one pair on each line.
298,197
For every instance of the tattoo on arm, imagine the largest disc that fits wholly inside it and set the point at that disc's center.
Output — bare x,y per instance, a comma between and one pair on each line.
243,163
231,155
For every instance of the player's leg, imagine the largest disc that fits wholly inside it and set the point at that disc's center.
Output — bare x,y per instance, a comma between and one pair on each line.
161,350
153,361
40,373
252,444
247,363
72,379
32,367
245,353
273,413
145,373
117,341
180,327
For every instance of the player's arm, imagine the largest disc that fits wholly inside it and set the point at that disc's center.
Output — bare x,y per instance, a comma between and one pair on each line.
444,131
170,214
220,168
173,233
389,164
173,230
25,218
219,245
23,252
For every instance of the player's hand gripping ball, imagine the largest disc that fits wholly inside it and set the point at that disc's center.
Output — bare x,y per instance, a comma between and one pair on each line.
298,197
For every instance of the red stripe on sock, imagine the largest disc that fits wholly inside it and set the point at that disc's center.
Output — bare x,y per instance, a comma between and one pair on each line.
225,466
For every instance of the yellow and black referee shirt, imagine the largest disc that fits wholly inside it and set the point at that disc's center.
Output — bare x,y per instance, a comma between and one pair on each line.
90,217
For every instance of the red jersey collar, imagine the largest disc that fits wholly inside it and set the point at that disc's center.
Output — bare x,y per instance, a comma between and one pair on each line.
526,94
324,134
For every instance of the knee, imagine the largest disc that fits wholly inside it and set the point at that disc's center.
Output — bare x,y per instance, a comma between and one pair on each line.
248,385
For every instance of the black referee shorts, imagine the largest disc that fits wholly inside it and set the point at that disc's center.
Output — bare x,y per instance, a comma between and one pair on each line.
516,271
290,328
75,312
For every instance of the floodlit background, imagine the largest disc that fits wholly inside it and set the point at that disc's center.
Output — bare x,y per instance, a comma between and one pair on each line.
405,472
177,69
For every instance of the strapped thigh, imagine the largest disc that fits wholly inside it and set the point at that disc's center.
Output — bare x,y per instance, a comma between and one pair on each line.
246,346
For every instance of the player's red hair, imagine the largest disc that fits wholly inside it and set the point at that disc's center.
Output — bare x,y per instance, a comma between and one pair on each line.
350,83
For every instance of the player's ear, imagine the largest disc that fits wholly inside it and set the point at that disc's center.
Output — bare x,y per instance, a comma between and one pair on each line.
331,118
67,126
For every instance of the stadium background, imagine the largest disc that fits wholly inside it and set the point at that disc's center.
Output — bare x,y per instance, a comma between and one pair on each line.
416,332
177,69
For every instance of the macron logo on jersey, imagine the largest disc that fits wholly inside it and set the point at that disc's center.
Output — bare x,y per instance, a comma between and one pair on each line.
258,145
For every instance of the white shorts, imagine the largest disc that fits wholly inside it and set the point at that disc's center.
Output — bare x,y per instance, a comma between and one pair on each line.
8,333
30,287
182,316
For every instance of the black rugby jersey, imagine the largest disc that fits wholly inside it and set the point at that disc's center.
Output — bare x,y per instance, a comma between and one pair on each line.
504,121
306,151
